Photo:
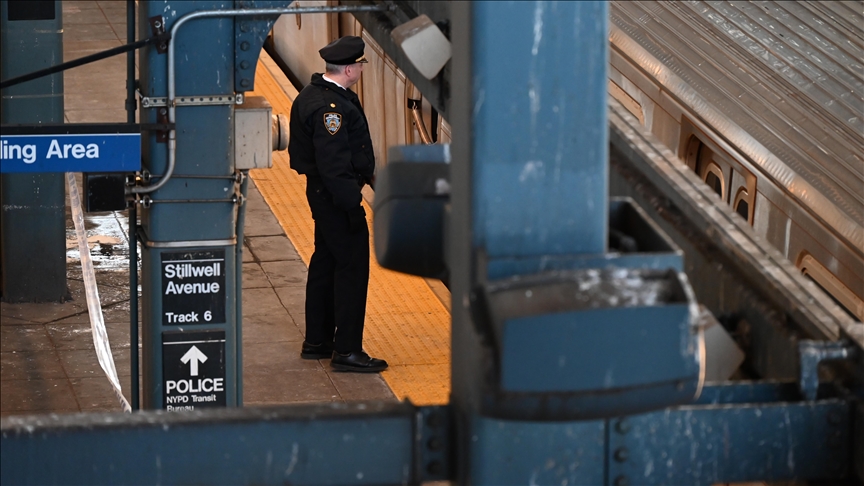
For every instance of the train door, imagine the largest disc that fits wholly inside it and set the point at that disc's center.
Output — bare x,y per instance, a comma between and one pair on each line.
743,193
701,159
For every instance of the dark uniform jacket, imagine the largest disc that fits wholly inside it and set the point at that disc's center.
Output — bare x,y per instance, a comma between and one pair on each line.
330,139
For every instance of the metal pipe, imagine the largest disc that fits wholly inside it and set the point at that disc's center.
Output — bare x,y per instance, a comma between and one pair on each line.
146,241
415,104
421,125
172,101
223,200
131,47
224,177
172,155
238,285
130,62
811,354
133,217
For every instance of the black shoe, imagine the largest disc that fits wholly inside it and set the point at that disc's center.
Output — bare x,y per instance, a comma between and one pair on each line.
357,361
316,351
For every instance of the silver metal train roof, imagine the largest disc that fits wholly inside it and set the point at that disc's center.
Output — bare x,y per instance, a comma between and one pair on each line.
782,81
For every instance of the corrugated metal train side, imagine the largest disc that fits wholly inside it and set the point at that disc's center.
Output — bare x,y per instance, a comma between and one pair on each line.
765,103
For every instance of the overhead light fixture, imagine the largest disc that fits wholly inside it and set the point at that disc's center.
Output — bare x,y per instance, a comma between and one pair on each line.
424,44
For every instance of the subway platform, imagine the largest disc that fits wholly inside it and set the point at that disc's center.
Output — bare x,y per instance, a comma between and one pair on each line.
48,360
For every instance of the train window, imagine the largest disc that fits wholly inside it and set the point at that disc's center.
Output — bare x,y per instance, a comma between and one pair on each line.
745,198
743,209
841,294
742,204
700,158
714,178
691,157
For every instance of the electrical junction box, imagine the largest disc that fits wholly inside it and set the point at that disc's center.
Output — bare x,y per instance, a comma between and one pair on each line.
257,133
104,192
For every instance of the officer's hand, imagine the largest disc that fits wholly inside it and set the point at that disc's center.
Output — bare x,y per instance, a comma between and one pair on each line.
356,219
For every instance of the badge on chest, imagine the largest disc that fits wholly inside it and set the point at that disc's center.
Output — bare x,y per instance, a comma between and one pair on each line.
333,122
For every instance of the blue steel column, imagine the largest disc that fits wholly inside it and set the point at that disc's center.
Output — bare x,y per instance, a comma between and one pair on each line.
204,169
539,129
32,224
529,180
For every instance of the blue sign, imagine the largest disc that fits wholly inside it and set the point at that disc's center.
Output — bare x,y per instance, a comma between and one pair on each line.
70,152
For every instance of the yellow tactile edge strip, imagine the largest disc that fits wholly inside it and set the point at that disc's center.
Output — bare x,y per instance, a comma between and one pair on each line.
406,324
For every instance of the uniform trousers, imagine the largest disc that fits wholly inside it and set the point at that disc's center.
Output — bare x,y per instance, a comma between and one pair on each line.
338,277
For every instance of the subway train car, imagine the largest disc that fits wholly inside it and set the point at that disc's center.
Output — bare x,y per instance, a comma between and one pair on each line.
763,101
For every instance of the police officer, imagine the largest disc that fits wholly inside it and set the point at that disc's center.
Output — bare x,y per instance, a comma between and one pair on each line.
331,146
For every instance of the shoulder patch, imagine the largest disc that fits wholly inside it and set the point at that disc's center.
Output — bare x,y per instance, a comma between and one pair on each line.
332,122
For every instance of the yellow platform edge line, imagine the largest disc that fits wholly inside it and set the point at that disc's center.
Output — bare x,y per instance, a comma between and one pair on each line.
406,323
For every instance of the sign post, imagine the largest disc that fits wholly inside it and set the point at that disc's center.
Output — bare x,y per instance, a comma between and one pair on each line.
190,334
191,212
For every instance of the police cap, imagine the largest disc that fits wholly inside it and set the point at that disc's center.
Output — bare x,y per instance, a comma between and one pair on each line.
344,50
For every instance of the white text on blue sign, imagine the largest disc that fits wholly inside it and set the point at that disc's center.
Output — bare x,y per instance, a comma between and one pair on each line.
116,152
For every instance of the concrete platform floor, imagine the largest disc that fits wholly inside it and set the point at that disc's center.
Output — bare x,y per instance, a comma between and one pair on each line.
48,363
47,358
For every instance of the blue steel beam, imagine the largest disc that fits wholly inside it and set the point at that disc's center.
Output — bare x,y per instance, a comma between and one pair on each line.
728,436
32,229
528,175
520,452
529,183
734,442
360,443
741,432
539,129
